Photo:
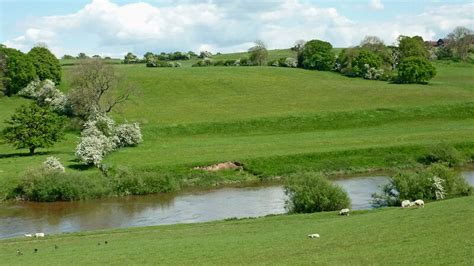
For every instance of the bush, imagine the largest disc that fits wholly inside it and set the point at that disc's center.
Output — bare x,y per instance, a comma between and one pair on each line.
46,94
443,153
129,134
364,62
230,62
42,184
46,64
219,63
317,54
53,164
312,192
243,61
432,183
18,70
415,70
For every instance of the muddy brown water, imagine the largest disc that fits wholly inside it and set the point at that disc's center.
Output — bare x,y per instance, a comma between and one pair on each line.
19,218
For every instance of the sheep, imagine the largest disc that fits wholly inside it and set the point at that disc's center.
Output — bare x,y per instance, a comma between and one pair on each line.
28,235
39,235
406,204
344,212
313,235
420,203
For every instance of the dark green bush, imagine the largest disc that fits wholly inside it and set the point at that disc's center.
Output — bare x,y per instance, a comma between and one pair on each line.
219,63
415,70
317,54
443,153
312,192
420,184
229,62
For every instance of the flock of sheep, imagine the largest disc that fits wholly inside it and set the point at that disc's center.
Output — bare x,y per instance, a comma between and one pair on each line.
405,204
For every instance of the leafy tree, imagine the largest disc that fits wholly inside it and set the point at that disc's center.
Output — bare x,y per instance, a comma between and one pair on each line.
82,56
364,58
17,70
95,87
148,56
318,55
415,70
444,52
130,58
412,46
377,46
460,40
34,127
46,64
258,53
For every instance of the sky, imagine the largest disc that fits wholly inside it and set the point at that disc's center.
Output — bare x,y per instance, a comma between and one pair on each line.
115,27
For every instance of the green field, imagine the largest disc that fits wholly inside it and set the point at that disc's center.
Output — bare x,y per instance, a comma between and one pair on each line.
382,237
274,120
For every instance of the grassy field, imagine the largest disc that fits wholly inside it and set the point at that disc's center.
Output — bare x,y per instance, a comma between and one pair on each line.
380,237
275,120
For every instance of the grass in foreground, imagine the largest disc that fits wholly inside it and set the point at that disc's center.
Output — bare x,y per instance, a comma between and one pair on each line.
438,234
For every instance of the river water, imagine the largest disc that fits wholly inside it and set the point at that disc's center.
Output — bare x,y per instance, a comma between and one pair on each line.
18,218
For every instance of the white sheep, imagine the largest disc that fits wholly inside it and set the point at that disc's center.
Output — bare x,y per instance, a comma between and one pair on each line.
28,235
344,212
313,235
406,204
420,203
39,235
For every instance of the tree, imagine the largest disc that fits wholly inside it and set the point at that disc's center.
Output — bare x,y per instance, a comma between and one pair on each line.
67,56
412,46
460,40
130,58
82,56
415,70
46,64
317,55
258,53
364,58
17,70
34,127
148,56
298,47
376,46
95,87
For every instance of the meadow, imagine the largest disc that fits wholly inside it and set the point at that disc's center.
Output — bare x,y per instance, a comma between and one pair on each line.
382,237
275,121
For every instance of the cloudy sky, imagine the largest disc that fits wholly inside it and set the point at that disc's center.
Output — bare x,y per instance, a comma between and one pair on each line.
114,27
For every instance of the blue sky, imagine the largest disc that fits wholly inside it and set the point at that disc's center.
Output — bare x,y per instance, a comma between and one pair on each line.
109,27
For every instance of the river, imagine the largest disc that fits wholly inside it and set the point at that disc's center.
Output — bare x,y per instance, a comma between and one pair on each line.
18,218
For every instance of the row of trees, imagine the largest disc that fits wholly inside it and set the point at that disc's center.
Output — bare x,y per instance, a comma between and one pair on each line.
19,69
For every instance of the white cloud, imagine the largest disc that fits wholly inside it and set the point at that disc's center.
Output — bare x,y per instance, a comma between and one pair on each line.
376,4
104,27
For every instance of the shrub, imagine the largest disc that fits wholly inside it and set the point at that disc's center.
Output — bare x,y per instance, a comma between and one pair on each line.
372,72
312,192
219,63
230,62
291,62
129,134
46,94
53,164
432,183
205,54
18,70
92,149
415,70
243,61
364,61
443,153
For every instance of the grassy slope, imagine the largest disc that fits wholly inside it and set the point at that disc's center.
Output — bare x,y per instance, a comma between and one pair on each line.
256,113
437,234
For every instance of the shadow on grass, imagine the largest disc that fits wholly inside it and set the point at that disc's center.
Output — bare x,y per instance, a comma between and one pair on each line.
27,154
79,166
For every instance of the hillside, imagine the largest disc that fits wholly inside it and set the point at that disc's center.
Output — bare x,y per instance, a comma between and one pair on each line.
385,236
274,120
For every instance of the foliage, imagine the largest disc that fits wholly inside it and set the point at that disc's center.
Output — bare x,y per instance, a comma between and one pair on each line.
92,149
311,192
34,127
460,40
129,134
364,61
18,70
432,183
317,55
53,163
130,58
205,54
412,47
415,70
46,94
258,53
46,64
204,62
66,56
376,46
82,56
443,153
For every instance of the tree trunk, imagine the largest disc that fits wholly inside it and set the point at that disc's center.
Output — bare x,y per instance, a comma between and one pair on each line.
32,150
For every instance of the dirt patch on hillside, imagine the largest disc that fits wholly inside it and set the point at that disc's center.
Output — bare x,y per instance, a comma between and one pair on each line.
220,166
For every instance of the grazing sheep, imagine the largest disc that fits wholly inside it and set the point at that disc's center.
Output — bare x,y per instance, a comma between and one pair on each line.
28,235
420,203
344,212
406,204
313,235
39,235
